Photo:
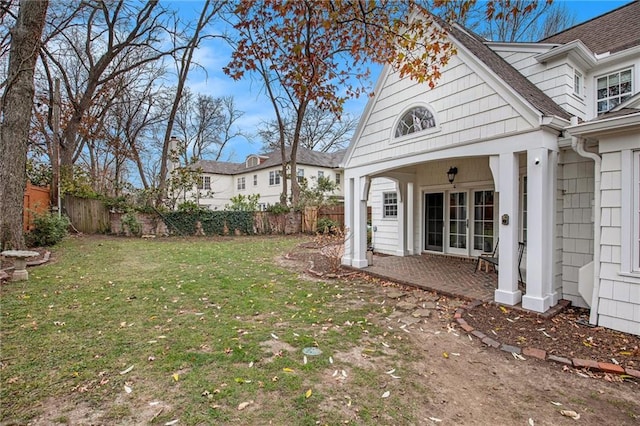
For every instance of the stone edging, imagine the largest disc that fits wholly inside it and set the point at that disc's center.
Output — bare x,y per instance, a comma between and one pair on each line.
540,354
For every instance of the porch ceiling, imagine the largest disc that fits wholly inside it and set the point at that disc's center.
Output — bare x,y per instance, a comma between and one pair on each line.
445,274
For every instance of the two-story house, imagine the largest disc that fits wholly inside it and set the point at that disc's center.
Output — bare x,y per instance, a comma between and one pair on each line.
260,174
517,142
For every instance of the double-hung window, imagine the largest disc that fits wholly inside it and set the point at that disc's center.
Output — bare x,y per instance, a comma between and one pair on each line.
300,173
241,183
613,89
204,182
274,177
390,204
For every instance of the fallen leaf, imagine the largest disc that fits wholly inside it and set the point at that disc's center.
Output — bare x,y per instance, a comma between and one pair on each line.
304,360
176,377
503,309
570,413
127,389
434,419
531,422
557,404
274,336
123,372
288,370
172,422
308,393
330,360
244,405
445,355
386,394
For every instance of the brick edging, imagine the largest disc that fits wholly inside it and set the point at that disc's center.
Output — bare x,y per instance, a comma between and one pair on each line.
540,354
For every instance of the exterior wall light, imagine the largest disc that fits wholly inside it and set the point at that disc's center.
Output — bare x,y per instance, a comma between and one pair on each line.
451,174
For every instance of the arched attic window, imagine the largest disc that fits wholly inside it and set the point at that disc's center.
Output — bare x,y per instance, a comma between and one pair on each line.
415,120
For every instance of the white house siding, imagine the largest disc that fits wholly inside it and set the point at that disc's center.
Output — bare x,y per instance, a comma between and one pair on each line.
223,187
555,78
466,109
577,220
619,304
384,231
216,197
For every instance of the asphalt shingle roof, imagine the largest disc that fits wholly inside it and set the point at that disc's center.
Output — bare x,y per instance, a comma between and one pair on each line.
540,100
612,32
305,157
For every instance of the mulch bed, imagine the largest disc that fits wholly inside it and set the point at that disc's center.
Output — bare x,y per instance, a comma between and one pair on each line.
566,334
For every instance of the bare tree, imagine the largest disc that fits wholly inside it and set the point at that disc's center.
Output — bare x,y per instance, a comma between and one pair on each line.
321,131
205,125
184,59
15,116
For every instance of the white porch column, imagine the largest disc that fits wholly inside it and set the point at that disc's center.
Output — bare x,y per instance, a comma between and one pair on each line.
540,296
507,292
360,196
401,250
349,200
410,219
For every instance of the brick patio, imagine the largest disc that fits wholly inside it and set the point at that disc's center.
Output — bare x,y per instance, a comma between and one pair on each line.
448,275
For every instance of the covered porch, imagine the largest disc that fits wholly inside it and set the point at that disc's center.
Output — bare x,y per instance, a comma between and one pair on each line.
483,205
448,275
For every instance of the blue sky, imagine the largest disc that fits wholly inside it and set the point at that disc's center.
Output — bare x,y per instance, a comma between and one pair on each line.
213,55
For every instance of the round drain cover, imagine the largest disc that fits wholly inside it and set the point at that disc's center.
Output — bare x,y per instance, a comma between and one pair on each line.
312,351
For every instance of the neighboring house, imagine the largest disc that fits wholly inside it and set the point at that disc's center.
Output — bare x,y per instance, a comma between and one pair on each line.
260,174
544,140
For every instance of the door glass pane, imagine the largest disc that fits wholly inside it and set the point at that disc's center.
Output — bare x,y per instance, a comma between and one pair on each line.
434,219
483,226
458,220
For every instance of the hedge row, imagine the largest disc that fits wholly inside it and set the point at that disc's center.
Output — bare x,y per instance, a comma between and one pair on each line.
213,222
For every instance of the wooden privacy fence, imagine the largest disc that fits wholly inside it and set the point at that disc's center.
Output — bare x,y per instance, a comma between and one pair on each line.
86,215
311,214
36,200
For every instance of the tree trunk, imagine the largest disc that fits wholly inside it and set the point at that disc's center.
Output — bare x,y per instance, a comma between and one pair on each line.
15,113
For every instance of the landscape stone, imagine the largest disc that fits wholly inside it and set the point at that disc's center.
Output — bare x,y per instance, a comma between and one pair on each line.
422,313
406,306
394,294
409,320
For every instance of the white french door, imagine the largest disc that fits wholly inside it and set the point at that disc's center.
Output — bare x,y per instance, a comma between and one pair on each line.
484,219
458,221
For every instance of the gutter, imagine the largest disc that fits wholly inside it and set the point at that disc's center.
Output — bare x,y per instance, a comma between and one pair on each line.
577,144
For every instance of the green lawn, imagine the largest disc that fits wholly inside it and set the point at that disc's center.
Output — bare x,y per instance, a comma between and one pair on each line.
207,325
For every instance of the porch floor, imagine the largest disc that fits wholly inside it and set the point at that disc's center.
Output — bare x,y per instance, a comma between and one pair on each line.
448,275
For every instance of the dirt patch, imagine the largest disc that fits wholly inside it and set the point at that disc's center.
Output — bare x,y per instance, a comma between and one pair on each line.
452,378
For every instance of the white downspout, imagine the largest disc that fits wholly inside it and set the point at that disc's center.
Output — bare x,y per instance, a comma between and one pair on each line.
577,144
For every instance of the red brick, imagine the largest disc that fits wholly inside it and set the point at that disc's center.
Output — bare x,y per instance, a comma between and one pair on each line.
457,315
535,353
632,372
610,368
585,363
466,327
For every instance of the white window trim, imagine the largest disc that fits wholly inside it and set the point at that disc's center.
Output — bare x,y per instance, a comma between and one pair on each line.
578,91
607,74
276,177
392,137
384,211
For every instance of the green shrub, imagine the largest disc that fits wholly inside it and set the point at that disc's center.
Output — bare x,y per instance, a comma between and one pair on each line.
49,230
213,222
130,221
326,225
278,208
